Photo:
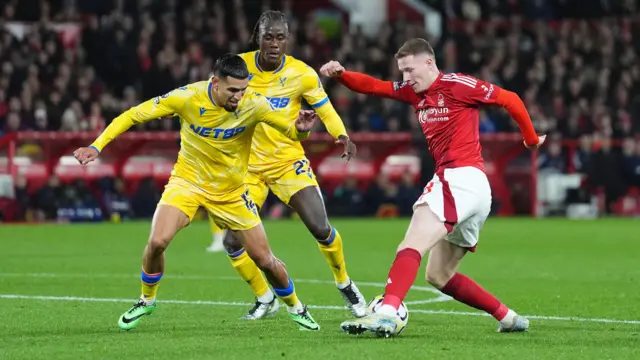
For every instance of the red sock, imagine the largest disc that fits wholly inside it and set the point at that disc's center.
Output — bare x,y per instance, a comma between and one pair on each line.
401,276
469,292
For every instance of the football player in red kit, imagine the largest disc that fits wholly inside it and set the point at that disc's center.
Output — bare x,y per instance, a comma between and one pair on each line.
449,214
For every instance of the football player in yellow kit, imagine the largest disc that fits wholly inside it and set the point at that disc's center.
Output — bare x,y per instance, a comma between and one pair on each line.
279,164
217,123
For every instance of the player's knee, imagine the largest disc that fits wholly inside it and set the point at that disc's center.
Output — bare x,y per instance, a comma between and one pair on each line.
231,243
158,242
425,231
438,278
320,229
421,243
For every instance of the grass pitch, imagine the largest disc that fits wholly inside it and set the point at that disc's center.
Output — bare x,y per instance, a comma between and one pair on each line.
62,288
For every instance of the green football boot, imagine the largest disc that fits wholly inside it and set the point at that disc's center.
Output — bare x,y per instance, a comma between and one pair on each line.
304,319
130,319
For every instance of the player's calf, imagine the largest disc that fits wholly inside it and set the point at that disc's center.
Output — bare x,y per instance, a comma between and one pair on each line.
255,242
425,231
309,205
167,221
443,263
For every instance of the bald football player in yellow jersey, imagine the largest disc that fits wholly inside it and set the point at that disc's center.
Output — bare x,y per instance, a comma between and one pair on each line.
217,123
280,165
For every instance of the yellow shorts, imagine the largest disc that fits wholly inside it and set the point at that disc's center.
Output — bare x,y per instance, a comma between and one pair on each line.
235,212
283,179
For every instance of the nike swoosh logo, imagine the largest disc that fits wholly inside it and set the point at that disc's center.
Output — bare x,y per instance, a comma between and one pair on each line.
202,111
129,320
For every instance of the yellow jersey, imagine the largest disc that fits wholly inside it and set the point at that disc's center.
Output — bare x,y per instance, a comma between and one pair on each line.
285,88
215,144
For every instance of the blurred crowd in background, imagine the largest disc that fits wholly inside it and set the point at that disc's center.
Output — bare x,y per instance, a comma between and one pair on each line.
580,79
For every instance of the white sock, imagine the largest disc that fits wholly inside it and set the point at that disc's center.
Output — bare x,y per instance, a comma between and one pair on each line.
387,310
509,319
343,284
296,309
148,301
266,297
218,237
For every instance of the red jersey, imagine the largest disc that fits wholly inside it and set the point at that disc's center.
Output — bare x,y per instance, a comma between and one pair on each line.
449,117
448,113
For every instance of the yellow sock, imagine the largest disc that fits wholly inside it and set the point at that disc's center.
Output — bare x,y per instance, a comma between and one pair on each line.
249,272
334,255
150,284
288,295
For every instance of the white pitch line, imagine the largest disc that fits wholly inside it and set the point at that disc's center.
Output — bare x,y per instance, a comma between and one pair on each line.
323,307
439,298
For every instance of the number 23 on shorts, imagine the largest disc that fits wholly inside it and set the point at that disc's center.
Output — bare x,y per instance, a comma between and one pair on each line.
302,167
251,206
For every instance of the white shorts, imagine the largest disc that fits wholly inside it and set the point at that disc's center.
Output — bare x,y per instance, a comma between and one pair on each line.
461,198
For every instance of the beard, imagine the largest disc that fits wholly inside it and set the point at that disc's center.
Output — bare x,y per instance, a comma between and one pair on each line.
230,108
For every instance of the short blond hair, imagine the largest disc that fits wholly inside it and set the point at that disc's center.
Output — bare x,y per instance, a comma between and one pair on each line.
414,47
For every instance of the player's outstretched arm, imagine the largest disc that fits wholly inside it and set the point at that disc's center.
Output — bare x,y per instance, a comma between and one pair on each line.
511,102
475,92
314,94
158,107
369,85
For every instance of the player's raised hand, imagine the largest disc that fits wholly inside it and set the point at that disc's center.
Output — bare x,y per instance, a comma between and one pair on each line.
349,147
541,140
306,120
332,69
85,155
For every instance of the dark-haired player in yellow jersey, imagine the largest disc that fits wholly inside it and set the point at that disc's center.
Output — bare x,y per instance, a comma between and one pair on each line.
217,123
280,165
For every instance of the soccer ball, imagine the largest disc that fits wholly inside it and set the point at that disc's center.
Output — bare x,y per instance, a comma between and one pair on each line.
402,316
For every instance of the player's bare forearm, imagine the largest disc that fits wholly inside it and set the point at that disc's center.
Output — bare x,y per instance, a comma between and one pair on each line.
512,103
365,84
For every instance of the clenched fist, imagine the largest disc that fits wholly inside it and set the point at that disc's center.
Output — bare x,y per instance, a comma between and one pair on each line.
332,69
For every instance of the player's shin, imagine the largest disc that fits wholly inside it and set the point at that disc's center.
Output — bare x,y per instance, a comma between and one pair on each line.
150,282
401,277
425,231
331,249
289,297
152,270
249,272
255,242
468,292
